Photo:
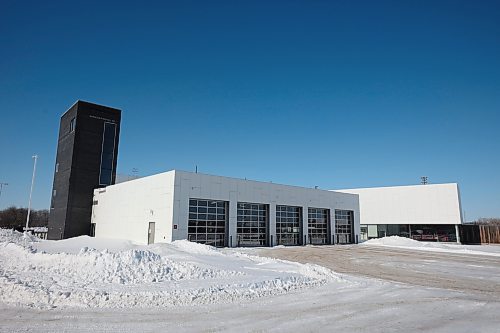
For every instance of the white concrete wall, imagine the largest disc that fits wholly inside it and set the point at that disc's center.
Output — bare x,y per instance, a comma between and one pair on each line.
124,210
417,204
200,186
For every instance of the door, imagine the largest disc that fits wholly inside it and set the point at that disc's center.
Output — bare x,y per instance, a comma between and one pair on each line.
207,222
151,233
344,226
92,230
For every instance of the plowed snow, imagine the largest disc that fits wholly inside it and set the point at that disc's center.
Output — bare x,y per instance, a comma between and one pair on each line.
81,272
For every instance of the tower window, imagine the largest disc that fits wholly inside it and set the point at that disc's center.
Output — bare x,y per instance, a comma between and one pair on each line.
72,125
107,154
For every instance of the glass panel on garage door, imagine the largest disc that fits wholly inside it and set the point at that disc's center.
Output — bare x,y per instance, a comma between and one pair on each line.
344,226
318,225
207,222
252,224
288,225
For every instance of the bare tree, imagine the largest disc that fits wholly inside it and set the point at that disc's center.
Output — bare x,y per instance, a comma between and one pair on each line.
488,221
15,218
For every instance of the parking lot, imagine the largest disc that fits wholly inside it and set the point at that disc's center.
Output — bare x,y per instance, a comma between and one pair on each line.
472,274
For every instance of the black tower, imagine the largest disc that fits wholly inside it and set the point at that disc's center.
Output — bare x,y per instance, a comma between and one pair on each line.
87,151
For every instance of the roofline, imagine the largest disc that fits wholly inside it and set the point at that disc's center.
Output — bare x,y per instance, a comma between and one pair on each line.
233,178
258,181
393,186
90,103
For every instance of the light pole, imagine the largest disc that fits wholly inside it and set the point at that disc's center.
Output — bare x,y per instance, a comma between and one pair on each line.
1,187
35,157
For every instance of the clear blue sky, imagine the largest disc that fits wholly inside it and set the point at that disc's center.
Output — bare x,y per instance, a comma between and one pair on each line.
338,94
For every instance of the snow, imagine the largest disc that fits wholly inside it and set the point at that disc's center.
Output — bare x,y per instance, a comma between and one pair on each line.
89,272
37,229
97,285
74,245
411,244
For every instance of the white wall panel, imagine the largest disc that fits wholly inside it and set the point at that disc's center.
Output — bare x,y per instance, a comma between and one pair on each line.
417,204
124,210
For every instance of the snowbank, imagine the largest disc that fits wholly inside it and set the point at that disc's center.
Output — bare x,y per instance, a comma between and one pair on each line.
394,241
82,272
74,245
407,243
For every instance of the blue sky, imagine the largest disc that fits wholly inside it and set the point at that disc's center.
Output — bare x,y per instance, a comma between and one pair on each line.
335,94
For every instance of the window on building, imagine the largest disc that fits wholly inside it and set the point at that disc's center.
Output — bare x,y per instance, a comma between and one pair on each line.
57,167
107,154
372,231
207,222
344,226
318,225
288,225
54,193
251,227
72,124
363,232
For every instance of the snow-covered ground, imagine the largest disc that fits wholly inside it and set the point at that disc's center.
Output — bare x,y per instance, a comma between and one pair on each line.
86,284
89,272
407,243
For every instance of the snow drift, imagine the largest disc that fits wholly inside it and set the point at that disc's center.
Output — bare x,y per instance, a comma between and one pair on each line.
411,244
82,272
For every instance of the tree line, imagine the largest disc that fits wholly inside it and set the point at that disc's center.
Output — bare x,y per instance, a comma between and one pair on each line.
15,218
488,221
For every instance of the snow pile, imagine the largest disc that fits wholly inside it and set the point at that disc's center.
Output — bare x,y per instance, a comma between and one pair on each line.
12,236
74,245
411,244
394,241
44,274
194,248
90,266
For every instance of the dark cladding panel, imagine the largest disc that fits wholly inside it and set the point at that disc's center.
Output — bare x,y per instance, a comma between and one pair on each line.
82,146
108,154
62,174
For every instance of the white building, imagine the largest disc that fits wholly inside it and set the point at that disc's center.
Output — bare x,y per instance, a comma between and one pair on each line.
422,212
223,211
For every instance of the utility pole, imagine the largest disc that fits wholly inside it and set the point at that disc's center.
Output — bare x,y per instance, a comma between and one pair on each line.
1,188
35,157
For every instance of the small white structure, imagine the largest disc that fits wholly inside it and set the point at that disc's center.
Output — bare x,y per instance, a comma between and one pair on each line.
40,232
423,212
223,211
